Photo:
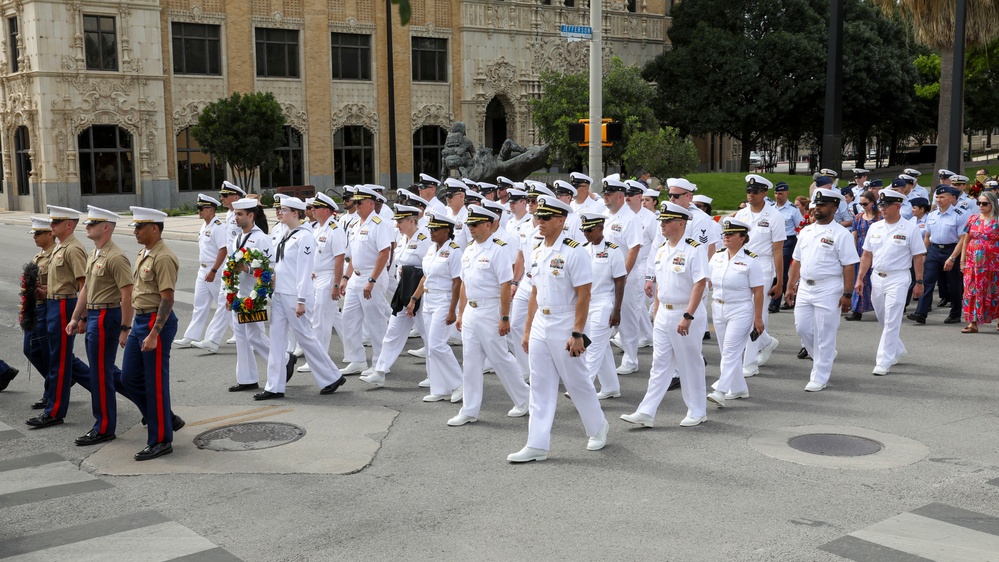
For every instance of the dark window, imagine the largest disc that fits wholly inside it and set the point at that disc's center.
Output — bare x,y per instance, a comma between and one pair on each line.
196,170
106,167
196,48
429,59
14,52
427,145
22,148
290,162
632,6
353,156
101,42
277,53
351,56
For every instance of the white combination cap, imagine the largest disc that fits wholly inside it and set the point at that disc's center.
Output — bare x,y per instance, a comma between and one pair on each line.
96,215
63,213
145,215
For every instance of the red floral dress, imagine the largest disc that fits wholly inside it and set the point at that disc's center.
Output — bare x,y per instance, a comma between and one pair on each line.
981,270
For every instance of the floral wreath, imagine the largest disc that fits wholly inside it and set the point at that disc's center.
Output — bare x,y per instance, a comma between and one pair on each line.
27,316
258,263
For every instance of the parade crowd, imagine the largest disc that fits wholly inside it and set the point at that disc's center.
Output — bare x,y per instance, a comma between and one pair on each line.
535,281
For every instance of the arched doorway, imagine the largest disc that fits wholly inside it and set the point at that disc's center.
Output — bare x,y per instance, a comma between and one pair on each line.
495,126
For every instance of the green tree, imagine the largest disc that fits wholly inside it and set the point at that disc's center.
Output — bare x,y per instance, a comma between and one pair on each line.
564,100
242,130
663,153
405,11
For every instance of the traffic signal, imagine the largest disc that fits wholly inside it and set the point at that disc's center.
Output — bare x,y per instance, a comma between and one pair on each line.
610,132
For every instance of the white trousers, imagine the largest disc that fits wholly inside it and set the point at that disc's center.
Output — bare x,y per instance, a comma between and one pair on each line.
285,321
816,319
222,319
550,361
396,336
888,295
633,314
481,341
442,367
371,314
673,352
599,357
644,304
250,338
733,323
518,319
204,294
326,315
753,347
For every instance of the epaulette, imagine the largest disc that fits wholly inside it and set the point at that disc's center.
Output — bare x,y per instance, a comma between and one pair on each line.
499,242
720,250
376,220
333,225
570,242
693,242
421,236
217,221
538,245
612,245
750,254
959,211
454,245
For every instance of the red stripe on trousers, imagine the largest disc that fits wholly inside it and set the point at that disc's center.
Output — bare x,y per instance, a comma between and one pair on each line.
100,373
62,358
159,382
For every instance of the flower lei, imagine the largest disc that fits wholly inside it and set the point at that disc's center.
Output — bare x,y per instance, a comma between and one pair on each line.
27,316
260,265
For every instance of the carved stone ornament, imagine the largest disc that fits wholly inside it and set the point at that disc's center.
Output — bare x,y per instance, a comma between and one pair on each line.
297,119
17,109
354,114
187,115
432,114
430,30
196,14
278,21
558,55
351,25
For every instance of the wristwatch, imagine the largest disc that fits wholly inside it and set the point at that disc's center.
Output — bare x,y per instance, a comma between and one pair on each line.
504,318
214,270
688,316
848,295
371,280
919,281
125,328
577,334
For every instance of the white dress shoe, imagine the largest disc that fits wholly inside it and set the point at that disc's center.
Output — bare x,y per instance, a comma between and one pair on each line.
461,420
376,378
813,386
454,341
183,342
434,397
422,352
414,333
880,371
366,343
642,343
598,441
750,370
425,383
299,352
767,350
368,371
518,411
355,368
899,358
622,370
207,345
717,398
528,454
605,395
691,421
305,368
616,340
457,394
488,370
231,341
639,418
736,395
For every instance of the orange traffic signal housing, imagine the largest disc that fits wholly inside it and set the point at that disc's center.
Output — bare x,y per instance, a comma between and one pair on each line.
609,132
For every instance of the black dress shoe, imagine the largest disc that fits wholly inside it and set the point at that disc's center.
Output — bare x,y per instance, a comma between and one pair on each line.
674,384
241,387
93,438
41,421
330,389
917,317
289,368
854,316
7,377
786,306
802,353
952,320
40,405
707,335
267,395
943,302
153,451
178,423
773,309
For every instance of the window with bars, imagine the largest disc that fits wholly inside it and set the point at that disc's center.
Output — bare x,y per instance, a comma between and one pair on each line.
197,48
290,167
196,170
351,56
15,53
277,53
428,142
106,161
429,57
100,40
353,156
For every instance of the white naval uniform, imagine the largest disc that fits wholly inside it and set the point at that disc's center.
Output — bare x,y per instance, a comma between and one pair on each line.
558,270
590,205
223,318
250,337
607,264
732,309
651,230
441,266
211,239
677,270
528,237
572,229
625,230
822,252
397,334
331,241
484,268
892,248
765,228
293,286
461,237
365,240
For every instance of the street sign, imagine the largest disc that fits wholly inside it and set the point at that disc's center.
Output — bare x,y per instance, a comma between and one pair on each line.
577,32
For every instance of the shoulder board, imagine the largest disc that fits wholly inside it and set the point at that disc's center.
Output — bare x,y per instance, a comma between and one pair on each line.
750,254
376,220
664,243
217,221
720,250
499,242
333,225
421,236
959,211
612,245
454,246
570,242
693,242
538,245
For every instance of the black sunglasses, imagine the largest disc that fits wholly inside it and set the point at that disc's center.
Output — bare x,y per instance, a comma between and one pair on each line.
983,203
755,190
676,195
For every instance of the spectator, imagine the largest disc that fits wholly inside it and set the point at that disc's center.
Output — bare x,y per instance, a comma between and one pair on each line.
861,302
980,264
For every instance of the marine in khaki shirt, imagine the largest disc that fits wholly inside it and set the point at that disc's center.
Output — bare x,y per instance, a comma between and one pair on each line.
66,268
155,271
107,283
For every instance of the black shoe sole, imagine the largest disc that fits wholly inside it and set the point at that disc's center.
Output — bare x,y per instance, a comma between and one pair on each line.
243,387
140,457
42,425
82,442
332,388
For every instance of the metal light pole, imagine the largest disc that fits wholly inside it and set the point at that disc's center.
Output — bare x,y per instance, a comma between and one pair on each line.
393,166
596,91
832,130
955,152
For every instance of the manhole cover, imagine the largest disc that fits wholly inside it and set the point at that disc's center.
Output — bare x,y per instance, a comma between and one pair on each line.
249,436
835,445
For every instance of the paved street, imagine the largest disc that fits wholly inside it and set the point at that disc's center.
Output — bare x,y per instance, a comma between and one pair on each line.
401,485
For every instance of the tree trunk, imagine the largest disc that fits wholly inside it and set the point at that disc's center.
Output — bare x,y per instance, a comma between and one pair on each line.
943,119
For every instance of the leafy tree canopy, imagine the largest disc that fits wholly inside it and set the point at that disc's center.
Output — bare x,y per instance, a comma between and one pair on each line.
663,153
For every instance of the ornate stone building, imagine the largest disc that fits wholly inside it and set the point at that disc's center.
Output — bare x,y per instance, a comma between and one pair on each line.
97,97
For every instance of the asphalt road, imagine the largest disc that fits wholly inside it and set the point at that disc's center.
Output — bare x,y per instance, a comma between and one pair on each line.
436,492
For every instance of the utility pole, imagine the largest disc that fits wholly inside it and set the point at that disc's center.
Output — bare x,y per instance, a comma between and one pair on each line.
596,91
393,166
955,152
832,130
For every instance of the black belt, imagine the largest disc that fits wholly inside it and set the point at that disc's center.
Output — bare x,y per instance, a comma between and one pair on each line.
103,306
945,246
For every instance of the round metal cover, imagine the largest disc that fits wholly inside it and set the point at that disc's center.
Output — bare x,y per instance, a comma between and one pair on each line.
249,436
835,445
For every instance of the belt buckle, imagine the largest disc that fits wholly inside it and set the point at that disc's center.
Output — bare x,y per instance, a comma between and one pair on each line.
809,282
473,304
882,274
546,311
204,265
719,301
941,246
669,307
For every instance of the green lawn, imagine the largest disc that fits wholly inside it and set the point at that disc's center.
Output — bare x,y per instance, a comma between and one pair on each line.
727,189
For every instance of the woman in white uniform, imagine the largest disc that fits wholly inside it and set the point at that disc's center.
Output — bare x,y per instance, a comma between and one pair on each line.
737,307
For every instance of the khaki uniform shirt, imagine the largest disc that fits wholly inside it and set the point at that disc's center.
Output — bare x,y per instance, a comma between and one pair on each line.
108,271
155,270
68,263
42,260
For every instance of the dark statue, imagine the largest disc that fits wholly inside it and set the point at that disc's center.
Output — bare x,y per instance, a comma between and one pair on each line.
461,159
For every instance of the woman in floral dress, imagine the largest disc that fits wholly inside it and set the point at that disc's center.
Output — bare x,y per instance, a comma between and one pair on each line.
861,223
980,263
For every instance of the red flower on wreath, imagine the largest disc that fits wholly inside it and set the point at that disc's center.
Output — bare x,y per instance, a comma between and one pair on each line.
258,272
248,304
227,273
230,297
